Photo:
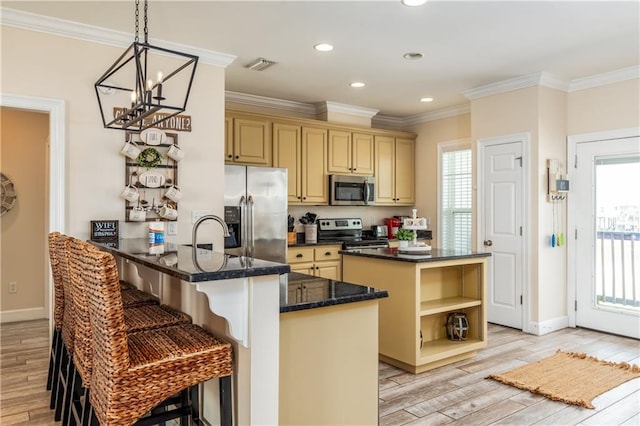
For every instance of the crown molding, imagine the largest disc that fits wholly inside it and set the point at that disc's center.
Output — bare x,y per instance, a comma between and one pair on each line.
387,122
603,79
63,28
439,114
535,79
265,102
328,106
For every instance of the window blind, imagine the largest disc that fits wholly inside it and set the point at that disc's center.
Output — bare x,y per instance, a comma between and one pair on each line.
456,199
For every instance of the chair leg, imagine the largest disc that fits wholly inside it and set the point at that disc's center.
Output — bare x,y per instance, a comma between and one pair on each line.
184,402
63,379
86,408
226,410
52,359
73,385
194,402
57,366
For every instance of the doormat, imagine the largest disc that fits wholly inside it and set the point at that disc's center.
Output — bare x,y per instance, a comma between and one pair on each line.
569,377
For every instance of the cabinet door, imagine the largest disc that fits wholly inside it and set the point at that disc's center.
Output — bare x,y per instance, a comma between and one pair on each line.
287,153
405,171
330,270
313,291
362,154
324,253
385,169
228,139
303,268
314,163
339,152
251,141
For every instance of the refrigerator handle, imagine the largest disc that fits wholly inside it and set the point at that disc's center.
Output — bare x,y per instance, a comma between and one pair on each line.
243,224
250,235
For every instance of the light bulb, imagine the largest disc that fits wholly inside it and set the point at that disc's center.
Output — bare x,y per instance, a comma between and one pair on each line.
159,77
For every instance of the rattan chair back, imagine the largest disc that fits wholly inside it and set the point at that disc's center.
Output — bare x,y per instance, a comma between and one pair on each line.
68,331
58,290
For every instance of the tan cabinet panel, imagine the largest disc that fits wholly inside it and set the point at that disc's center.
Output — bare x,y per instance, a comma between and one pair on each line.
362,154
322,261
394,170
300,254
330,270
314,159
339,152
385,169
405,171
252,141
287,153
228,139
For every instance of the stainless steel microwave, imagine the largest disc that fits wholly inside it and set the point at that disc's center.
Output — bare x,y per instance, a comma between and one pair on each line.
347,190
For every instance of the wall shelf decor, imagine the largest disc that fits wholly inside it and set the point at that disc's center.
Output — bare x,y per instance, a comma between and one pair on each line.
151,179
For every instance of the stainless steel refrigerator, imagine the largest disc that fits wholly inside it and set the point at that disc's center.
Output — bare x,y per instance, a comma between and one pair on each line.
255,210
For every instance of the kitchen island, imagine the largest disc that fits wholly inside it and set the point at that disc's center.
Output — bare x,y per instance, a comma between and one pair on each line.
423,290
235,298
328,352
305,347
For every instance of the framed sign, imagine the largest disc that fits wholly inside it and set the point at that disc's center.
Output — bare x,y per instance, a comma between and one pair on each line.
104,230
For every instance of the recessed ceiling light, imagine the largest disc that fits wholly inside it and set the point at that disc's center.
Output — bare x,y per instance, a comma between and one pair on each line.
412,3
426,99
412,56
357,84
323,47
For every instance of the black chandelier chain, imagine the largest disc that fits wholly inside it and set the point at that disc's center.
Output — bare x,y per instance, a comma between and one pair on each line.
136,39
146,21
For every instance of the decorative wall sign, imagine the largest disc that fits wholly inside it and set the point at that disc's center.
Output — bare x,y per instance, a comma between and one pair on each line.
104,230
179,123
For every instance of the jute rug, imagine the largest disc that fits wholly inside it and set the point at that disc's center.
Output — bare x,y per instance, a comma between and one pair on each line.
570,377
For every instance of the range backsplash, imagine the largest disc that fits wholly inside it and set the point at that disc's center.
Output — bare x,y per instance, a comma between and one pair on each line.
369,215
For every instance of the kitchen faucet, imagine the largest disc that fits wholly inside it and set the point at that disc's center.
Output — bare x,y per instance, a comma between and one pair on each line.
194,235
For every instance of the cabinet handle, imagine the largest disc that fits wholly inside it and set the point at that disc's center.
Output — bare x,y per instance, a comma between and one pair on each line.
299,256
230,156
317,267
328,253
354,169
299,198
304,198
237,156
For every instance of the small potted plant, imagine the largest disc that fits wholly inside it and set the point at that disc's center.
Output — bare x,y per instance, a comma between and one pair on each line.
404,236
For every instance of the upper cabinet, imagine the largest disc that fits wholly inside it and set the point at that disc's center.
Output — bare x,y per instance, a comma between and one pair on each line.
310,150
248,140
303,152
394,170
350,153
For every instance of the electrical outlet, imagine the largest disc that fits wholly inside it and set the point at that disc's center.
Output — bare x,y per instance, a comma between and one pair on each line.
172,228
13,287
197,214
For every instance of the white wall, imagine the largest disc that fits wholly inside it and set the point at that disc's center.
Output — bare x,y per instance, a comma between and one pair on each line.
42,65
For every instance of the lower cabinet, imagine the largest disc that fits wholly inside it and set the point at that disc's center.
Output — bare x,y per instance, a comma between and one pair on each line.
320,261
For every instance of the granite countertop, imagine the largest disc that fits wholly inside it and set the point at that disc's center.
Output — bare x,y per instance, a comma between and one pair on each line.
308,292
319,243
182,262
435,255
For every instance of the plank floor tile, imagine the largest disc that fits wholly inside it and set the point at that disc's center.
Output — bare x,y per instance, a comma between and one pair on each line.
457,394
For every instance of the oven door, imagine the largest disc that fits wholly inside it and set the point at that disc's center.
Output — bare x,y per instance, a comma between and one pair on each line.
352,190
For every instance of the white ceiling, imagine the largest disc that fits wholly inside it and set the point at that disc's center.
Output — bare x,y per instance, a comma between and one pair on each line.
465,44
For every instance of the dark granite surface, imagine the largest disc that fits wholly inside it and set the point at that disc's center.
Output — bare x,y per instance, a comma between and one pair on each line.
309,292
182,262
435,255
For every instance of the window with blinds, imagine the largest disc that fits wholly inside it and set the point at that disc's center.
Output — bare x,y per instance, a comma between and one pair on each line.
456,199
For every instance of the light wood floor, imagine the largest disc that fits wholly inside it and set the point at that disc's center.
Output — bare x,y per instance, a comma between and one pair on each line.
455,394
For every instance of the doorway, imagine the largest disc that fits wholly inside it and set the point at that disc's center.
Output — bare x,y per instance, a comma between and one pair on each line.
607,235
56,176
502,183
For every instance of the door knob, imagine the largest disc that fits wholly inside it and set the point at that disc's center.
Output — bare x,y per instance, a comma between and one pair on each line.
488,243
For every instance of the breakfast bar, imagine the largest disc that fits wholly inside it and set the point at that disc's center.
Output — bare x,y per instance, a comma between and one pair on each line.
424,290
235,298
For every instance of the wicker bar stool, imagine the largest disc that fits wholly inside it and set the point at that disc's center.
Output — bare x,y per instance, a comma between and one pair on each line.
134,372
137,318
58,312
63,366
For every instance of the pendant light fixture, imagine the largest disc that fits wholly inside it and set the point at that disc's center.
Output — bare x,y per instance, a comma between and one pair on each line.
146,85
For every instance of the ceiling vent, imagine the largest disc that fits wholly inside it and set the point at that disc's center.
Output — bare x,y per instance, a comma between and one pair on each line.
260,64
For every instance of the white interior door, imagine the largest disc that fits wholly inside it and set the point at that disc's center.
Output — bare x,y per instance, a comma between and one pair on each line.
503,221
608,236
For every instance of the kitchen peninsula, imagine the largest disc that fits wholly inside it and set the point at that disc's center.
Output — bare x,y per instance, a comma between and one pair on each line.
305,348
423,290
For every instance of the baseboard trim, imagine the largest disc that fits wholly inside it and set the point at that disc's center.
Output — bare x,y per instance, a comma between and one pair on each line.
548,326
22,315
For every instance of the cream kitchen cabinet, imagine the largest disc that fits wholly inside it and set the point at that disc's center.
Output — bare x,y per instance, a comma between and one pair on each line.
248,140
394,170
350,153
320,261
303,152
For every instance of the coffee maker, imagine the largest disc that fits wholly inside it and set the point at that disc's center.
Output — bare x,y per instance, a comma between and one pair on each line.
393,224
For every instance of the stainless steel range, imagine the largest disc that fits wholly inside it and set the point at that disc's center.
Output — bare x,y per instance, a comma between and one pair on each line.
349,232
